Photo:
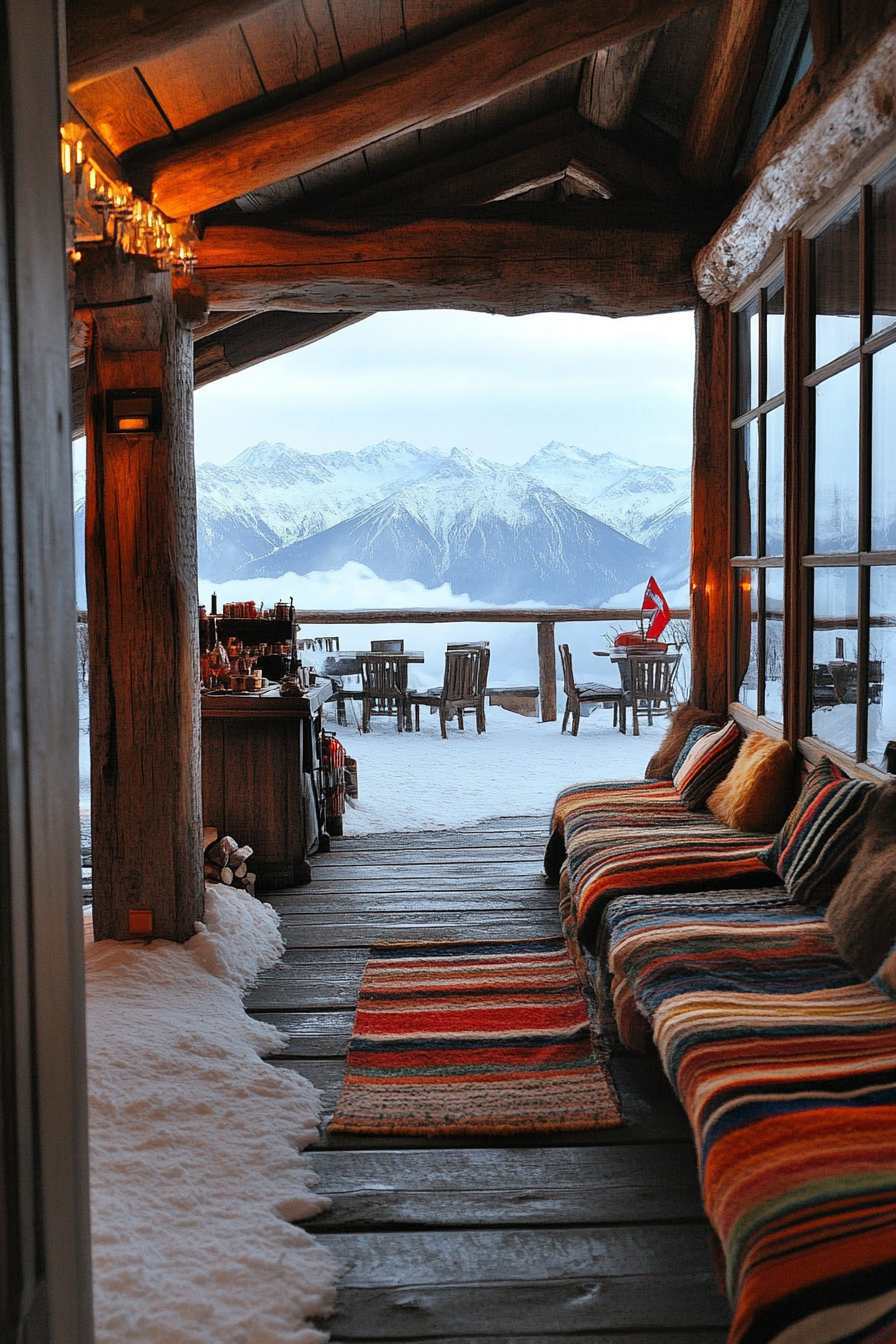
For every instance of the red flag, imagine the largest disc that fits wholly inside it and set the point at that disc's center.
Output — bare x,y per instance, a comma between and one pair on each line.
655,606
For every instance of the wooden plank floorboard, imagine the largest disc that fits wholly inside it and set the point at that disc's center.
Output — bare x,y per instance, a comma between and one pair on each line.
489,1187
692,1335
359,901
545,1239
333,930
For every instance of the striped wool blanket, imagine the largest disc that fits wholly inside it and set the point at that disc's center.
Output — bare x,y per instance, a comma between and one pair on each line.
610,802
786,1066
700,854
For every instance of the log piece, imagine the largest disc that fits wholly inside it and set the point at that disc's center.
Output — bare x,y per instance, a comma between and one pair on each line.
240,855
219,851
611,81
419,88
608,258
808,153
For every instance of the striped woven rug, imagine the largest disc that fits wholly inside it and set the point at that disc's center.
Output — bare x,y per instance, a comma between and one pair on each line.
488,1038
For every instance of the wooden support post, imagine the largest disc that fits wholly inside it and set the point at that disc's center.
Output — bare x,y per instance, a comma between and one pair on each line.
547,671
141,595
710,539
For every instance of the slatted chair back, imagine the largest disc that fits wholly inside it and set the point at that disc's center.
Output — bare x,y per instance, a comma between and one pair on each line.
387,646
569,681
384,684
650,685
480,674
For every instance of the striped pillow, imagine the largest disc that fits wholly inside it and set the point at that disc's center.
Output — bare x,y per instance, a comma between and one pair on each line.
702,730
706,765
818,841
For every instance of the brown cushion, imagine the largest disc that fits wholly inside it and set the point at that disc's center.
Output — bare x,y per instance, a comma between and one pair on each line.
757,793
862,912
686,717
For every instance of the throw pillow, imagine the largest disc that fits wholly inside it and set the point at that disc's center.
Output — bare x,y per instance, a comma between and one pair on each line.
663,762
706,765
818,841
693,736
862,912
757,793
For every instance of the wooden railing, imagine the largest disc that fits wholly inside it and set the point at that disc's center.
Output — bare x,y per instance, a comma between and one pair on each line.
544,618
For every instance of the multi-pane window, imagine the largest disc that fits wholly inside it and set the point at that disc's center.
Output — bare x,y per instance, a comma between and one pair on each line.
758,430
852,478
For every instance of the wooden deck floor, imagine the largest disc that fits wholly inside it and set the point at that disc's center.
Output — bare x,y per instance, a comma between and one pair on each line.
597,1238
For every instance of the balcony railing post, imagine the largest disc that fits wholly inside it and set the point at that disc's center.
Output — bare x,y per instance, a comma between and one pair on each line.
547,671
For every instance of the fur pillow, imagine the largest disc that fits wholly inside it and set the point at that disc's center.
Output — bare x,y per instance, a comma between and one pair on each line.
862,912
687,716
757,793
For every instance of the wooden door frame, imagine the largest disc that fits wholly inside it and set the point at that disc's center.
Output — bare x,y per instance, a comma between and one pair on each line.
44,1208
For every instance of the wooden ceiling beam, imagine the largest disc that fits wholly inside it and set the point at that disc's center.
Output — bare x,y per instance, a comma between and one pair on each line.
109,35
602,259
229,342
730,79
442,79
261,337
611,81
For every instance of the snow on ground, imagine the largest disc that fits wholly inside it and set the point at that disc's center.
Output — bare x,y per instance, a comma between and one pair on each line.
195,1169
421,782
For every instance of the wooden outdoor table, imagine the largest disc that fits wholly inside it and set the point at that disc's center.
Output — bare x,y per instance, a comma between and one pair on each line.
261,777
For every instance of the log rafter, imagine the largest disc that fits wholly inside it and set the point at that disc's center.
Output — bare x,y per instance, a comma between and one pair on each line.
542,150
105,35
602,259
730,80
419,88
611,80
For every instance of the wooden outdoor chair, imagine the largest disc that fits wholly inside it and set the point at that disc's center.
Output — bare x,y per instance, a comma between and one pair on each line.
466,675
335,669
384,689
588,693
648,683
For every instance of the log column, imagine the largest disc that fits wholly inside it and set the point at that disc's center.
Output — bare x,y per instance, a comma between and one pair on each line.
141,573
547,671
710,529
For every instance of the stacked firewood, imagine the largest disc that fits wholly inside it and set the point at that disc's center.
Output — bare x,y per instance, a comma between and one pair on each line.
228,862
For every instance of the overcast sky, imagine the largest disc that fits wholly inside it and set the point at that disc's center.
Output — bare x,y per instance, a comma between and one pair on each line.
500,387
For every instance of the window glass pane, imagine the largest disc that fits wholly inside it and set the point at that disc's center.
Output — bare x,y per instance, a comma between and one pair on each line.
835,609
837,462
883,450
774,644
883,217
747,641
774,339
837,286
747,461
747,391
774,482
882,664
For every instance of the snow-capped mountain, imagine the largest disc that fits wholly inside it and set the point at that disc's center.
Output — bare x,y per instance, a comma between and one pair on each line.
636,499
491,531
565,526
272,495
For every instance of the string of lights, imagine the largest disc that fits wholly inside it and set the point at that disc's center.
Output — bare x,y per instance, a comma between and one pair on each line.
105,211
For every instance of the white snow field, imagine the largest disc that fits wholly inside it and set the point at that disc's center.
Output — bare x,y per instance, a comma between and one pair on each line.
195,1168
516,768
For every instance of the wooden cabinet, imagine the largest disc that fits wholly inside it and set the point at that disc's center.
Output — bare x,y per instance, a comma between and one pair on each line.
261,780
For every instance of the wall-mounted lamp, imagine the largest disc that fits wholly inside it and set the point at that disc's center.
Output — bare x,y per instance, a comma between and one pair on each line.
133,410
